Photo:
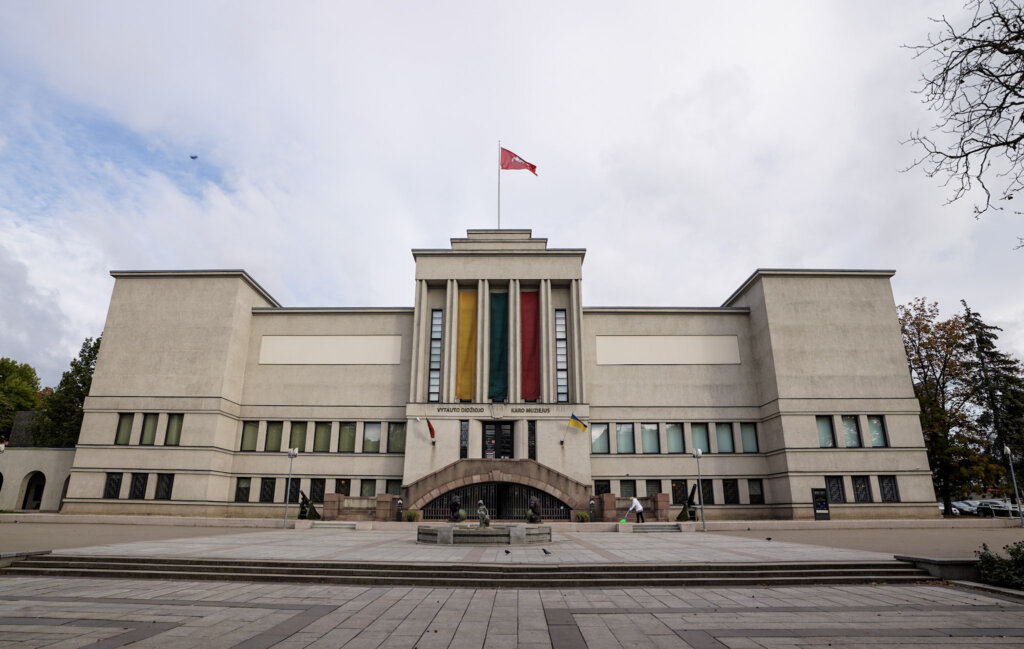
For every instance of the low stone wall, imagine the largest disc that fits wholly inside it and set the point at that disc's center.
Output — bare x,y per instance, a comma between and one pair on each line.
494,535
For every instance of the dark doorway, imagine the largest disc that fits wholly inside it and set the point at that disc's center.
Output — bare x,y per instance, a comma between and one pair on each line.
34,491
498,437
504,500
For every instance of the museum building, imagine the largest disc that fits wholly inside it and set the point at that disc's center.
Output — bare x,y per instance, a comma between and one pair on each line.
499,384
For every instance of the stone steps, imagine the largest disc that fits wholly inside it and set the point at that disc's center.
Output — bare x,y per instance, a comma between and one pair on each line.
343,525
656,527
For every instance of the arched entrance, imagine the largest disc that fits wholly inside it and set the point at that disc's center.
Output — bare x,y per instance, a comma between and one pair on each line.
504,500
34,490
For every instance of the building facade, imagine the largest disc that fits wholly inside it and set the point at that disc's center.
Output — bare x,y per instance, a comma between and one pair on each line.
797,382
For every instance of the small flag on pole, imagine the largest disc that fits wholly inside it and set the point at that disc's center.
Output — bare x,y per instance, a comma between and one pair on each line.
430,427
577,424
510,160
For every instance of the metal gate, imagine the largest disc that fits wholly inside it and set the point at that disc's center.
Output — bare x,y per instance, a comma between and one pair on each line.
504,500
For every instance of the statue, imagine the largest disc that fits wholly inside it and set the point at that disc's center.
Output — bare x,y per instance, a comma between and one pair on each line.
533,515
306,509
481,513
453,509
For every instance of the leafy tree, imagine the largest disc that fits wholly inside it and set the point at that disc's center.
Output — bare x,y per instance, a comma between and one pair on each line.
18,386
60,417
975,85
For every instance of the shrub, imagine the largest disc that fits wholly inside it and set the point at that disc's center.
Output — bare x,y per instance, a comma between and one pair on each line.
412,515
1008,571
462,515
582,517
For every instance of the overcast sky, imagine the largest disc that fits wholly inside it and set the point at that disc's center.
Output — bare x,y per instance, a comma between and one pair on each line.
682,144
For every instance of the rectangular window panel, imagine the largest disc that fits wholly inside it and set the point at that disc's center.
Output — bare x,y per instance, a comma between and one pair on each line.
347,437
731,491
531,439
624,441
561,357
173,434
293,486
755,489
627,488
464,438
826,432
599,438
700,437
851,431
250,429
371,437
888,489
396,437
164,486
653,487
367,488
674,438
723,433
434,371
275,432
393,487
649,441
322,437
861,489
112,489
835,488
297,437
316,490
602,487
707,490
876,428
124,428
342,486
267,488
149,421
242,490
137,491
679,492
748,433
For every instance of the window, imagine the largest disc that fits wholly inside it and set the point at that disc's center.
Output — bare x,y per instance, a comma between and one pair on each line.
649,441
707,490
267,488
148,437
275,432
242,490
368,488
137,491
347,437
393,487
627,488
531,439
396,437
294,487
679,492
700,437
724,434
464,438
674,438
250,429
887,488
173,434
124,428
755,488
599,438
835,488
624,441
342,486
653,487
731,491
876,429
316,490
748,433
861,489
826,433
434,372
164,486
851,431
561,358
602,487
371,437
322,437
297,436
112,489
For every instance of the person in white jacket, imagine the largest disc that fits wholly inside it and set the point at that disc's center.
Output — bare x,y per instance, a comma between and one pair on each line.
638,508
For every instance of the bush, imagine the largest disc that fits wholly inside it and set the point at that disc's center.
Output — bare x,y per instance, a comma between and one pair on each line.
462,515
411,515
582,517
999,571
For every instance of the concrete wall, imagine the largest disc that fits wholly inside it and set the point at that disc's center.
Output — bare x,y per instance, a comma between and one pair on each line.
19,464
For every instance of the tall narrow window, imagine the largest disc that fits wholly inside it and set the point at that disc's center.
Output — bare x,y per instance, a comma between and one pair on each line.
602,487
393,487
724,434
347,437
678,492
137,491
674,438
322,437
861,489
249,432
316,490
267,488
561,357
707,489
851,431
367,488
731,491
297,437
124,428
835,488
624,442
434,371
531,439
242,490
653,487
112,489
342,486
748,433
371,437
396,437
755,488
599,438
464,439
164,486
294,486
826,432
174,423
888,489
149,429
627,488
700,437
275,431
649,441
876,428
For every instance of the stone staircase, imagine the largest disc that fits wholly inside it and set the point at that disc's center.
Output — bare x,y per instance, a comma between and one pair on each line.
472,575
656,527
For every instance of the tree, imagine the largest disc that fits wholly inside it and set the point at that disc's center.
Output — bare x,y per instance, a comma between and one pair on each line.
975,84
18,386
60,417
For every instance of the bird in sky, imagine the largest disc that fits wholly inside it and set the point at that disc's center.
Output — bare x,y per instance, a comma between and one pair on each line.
193,157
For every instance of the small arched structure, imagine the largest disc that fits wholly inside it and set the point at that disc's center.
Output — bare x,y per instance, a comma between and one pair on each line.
35,485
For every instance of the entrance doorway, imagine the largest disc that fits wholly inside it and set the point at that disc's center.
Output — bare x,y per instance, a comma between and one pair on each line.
498,440
504,500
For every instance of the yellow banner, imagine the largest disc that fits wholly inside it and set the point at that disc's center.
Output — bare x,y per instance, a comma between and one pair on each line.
465,375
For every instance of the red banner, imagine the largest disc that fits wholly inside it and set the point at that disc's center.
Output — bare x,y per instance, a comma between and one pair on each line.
510,160
531,345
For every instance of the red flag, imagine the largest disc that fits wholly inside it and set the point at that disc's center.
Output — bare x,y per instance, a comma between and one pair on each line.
510,160
431,427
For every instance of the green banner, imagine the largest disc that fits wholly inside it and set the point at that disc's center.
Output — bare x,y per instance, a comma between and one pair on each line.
498,385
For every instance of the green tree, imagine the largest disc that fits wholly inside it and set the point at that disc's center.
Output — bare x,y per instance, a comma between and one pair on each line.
18,386
60,416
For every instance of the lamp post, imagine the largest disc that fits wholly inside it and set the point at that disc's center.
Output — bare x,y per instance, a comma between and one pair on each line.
1016,491
700,490
292,453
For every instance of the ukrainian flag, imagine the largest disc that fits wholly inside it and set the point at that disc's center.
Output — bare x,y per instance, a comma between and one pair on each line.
577,424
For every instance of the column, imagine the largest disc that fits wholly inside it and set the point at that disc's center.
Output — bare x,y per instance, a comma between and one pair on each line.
421,320
547,359
577,393
483,342
451,332
515,353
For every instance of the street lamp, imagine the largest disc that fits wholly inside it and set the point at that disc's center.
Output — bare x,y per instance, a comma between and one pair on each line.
1016,491
292,453
700,490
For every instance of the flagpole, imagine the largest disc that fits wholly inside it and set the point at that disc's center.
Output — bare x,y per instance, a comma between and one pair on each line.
499,184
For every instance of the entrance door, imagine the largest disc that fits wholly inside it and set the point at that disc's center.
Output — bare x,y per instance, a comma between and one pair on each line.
498,437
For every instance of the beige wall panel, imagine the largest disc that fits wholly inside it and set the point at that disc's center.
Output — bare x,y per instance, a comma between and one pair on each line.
546,265
330,350
667,350
18,464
